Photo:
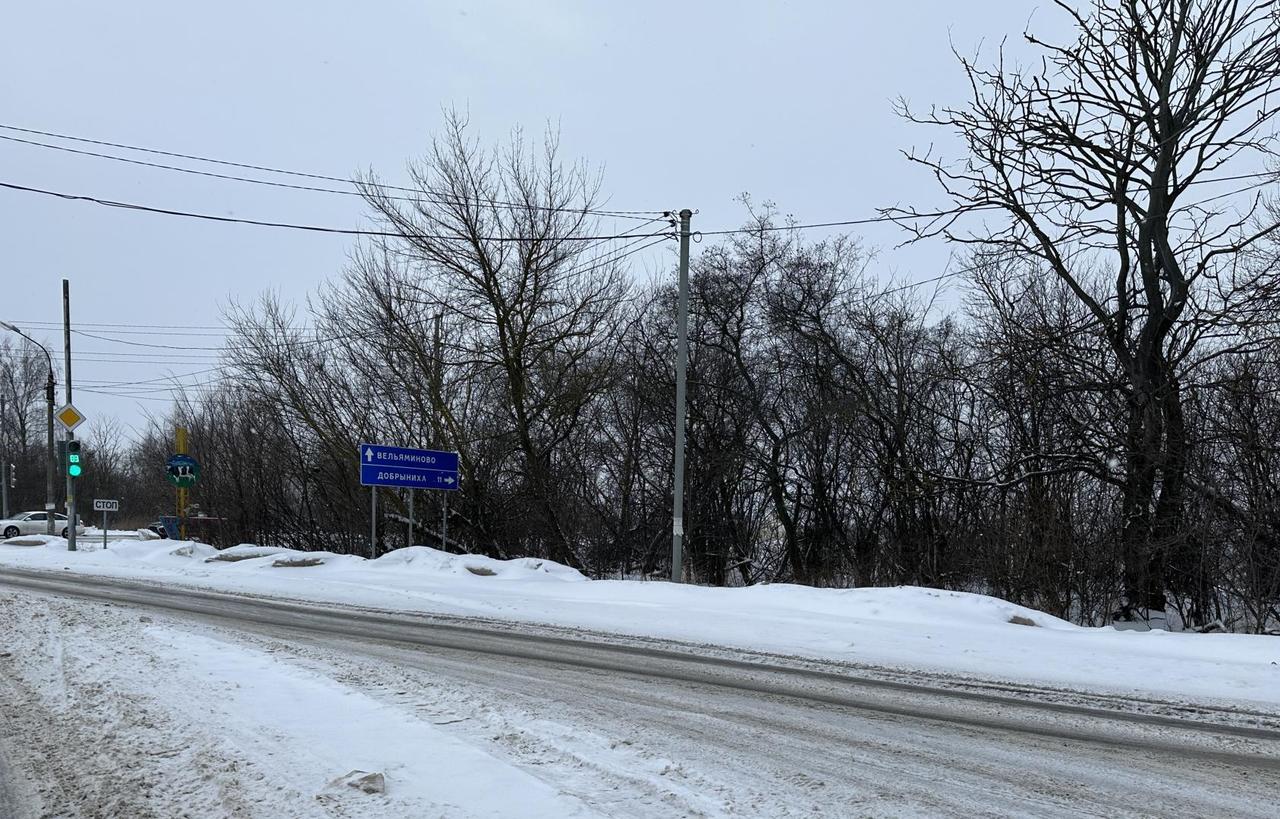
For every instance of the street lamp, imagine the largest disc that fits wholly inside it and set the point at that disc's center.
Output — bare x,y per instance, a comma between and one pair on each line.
49,504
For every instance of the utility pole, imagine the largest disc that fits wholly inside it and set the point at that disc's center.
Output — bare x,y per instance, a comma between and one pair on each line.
50,503
71,436
5,472
682,361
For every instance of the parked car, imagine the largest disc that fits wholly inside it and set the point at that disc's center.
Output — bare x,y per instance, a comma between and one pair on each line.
35,523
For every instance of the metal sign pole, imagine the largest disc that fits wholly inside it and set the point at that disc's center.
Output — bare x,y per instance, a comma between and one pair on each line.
104,529
409,542
444,525
373,522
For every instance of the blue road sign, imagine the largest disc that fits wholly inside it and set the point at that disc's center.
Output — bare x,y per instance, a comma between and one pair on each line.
408,468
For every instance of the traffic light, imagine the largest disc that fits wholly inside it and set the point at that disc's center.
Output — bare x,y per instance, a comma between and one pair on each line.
73,459
13,476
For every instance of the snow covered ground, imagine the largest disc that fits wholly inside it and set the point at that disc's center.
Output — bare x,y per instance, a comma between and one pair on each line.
139,717
107,709
904,628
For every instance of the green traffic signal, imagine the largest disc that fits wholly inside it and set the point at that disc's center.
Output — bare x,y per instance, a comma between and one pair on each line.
74,467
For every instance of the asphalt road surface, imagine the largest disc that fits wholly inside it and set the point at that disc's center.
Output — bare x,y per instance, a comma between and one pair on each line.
755,735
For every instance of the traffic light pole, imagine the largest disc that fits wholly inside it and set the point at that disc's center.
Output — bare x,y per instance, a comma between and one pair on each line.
71,436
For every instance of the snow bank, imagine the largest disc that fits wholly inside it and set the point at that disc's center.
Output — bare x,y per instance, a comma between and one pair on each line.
35,540
905,628
426,560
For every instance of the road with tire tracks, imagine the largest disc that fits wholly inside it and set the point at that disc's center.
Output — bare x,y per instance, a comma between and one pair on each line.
778,736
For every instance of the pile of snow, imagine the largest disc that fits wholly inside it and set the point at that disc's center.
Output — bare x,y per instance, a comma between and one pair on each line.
906,628
433,561
95,533
35,540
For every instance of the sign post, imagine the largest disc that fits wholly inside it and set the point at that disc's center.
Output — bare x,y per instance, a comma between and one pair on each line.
182,471
408,469
104,506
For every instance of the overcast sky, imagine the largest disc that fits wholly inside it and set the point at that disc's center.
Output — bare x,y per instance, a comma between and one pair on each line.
683,105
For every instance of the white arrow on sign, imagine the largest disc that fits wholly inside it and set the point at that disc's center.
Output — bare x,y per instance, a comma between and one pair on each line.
448,480
368,455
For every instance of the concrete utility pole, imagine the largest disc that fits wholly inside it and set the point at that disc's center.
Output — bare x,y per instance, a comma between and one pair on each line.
51,465
682,361
71,436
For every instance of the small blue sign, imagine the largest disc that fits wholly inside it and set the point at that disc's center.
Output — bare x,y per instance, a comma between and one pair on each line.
408,468
170,525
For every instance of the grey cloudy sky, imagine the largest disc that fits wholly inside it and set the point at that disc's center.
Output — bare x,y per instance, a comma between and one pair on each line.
683,105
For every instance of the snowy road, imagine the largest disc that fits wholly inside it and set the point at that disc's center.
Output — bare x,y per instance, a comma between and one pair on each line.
14,801
610,729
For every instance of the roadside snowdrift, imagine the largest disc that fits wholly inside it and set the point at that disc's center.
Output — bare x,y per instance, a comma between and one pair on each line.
905,628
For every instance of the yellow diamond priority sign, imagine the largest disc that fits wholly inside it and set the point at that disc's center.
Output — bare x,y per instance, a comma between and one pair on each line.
69,417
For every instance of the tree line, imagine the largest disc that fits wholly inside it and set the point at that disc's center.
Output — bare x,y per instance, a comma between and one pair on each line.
1091,430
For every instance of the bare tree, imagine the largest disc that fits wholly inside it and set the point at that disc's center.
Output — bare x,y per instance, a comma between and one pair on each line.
1103,161
498,243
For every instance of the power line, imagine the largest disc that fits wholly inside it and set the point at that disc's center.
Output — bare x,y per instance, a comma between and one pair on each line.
628,248
124,395
870,220
150,393
193,171
155,328
1265,177
444,198
193,354
111,331
160,379
87,334
289,225
124,356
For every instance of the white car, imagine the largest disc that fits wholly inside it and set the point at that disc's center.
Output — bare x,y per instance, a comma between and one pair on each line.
35,523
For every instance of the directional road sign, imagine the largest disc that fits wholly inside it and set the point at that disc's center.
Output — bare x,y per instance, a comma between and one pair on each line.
408,468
